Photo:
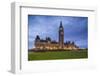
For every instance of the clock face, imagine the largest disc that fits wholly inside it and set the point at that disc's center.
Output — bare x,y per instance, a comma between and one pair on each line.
60,28
62,33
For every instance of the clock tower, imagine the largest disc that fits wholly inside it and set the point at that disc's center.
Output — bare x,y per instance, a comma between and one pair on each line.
61,36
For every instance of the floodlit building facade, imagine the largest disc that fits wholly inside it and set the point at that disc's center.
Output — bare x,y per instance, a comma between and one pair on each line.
49,44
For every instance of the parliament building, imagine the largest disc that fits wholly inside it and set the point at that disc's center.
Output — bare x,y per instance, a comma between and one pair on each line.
49,44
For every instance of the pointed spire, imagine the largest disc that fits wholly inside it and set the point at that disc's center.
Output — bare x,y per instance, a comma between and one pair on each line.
61,24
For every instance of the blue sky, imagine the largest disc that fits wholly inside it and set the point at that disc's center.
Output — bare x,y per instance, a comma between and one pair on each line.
75,28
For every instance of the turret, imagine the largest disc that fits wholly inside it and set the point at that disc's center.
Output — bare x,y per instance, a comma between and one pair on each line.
48,39
37,38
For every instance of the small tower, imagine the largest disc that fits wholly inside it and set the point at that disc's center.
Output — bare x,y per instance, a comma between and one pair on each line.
61,36
48,39
37,38
37,41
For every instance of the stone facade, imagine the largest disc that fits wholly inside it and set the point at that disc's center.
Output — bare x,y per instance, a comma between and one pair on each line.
52,45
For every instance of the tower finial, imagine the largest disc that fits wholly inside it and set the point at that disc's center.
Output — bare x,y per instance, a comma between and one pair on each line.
61,24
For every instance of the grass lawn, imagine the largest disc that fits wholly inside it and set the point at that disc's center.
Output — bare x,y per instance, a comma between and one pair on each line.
57,55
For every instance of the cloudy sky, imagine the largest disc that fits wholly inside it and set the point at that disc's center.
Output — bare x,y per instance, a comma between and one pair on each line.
75,29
